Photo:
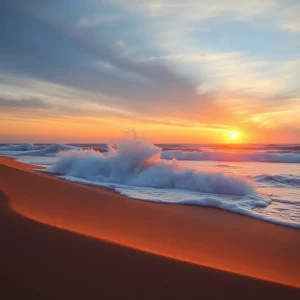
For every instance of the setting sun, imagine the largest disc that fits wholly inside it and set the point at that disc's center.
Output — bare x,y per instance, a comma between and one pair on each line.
233,135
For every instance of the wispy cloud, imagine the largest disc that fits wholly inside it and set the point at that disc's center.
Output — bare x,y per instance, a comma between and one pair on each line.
8,103
198,9
99,20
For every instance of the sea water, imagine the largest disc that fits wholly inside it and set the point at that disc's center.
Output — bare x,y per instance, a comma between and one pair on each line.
260,181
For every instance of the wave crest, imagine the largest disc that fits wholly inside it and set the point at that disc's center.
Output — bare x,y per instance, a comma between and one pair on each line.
19,147
138,163
34,150
233,156
290,180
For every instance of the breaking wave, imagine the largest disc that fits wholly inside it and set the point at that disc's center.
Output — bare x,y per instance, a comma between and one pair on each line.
134,168
138,163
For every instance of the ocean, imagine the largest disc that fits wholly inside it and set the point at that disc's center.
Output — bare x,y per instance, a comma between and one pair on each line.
259,181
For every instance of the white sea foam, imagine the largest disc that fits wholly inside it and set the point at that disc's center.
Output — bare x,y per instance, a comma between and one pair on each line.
252,205
42,161
138,163
134,168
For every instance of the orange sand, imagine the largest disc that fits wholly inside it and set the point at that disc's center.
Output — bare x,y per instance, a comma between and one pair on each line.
203,236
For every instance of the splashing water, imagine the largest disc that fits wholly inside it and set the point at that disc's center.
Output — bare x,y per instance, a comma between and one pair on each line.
137,163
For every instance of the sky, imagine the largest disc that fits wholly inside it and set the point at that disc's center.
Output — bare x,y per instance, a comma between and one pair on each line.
192,71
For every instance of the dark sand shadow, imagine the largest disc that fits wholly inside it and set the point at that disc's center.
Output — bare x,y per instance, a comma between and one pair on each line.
4,202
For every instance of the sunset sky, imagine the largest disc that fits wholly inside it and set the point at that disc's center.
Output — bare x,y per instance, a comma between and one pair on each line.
192,71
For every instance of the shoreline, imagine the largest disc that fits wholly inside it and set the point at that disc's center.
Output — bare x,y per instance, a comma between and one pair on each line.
204,236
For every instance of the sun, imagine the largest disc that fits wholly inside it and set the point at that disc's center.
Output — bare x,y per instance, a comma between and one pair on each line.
233,135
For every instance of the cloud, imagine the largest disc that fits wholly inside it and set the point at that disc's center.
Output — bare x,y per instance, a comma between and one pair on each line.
237,72
197,9
176,28
291,26
284,14
138,61
50,48
289,18
8,103
93,21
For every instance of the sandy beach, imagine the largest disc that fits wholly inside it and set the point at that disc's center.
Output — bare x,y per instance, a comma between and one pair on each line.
101,243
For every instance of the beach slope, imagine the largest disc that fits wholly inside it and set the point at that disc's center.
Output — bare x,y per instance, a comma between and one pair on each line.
40,260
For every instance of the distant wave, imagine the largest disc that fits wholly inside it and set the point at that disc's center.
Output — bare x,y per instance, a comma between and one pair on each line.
287,180
200,155
226,166
21,147
34,150
233,156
